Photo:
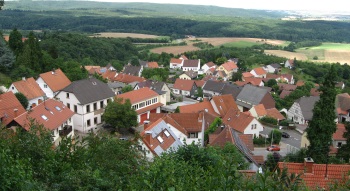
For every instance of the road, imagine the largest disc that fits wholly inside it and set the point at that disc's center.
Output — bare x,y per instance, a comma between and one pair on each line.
294,139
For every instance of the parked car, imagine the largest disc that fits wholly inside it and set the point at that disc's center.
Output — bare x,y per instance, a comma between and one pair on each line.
193,97
273,148
285,135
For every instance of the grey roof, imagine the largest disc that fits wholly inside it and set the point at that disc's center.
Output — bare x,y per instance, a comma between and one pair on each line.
132,70
190,63
192,74
250,96
115,85
153,85
276,65
243,147
232,89
307,105
213,86
143,63
89,90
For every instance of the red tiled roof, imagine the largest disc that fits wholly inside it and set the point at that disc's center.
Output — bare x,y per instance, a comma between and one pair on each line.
197,107
56,80
139,95
259,159
260,71
248,140
240,83
338,135
126,78
314,92
51,114
221,139
200,83
343,103
184,57
10,107
153,65
29,88
224,103
260,110
229,65
300,83
238,120
284,93
184,122
274,113
109,75
175,61
183,84
210,64
247,75
289,87
253,81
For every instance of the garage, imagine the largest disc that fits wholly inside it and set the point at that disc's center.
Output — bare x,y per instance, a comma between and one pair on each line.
153,111
143,117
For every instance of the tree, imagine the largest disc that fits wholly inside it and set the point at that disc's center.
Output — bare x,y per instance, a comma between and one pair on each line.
199,92
127,88
322,126
119,114
344,150
237,76
271,83
22,99
15,41
7,59
275,136
221,60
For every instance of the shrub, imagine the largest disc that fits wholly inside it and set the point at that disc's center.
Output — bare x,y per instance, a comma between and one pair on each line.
269,120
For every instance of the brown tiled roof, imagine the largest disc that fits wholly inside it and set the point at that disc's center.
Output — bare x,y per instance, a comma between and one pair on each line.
260,71
109,75
300,83
29,88
197,107
289,87
126,78
259,159
184,57
238,120
152,65
183,84
88,68
199,83
281,76
260,110
139,95
284,93
318,178
247,140
175,61
247,75
222,138
274,113
224,103
190,63
184,122
240,83
192,74
338,135
343,103
229,65
10,107
210,64
51,114
254,81
314,92
56,80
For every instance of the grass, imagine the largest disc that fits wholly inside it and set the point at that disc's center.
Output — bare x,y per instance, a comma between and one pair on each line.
311,53
330,46
240,44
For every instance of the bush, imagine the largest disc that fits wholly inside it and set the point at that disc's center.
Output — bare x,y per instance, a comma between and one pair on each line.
276,135
284,123
260,141
269,120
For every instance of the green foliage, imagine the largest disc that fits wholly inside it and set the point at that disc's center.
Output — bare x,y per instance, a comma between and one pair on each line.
285,122
212,128
15,41
7,58
22,99
269,120
177,110
322,126
297,157
271,83
203,45
199,92
127,88
162,73
272,161
260,141
275,136
237,76
119,114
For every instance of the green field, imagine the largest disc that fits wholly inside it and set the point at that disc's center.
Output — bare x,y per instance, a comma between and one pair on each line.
330,46
240,44
311,53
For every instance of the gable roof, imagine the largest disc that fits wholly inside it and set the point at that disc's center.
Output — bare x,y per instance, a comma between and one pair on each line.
280,76
224,103
126,78
183,57
132,70
229,66
210,64
274,113
276,66
232,89
159,138
55,79
143,63
220,73
285,93
88,68
213,86
247,75
250,95
190,63
289,87
192,74
260,110
153,65
176,61
254,81
29,88
50,113
184,84
237,120
200,83
343,103
10,107
109,75
307,105
139,95
197,107
259,71
89,90
300,83
154,85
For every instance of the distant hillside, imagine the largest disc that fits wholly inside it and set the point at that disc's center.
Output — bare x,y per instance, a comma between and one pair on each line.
143,8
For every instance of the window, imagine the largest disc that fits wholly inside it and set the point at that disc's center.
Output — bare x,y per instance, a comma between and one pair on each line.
254,126
166,133
101,104
95,120
45,85
193,135
44,117
95,106
87,108
13,87
68,105
88,123
339,144
67,95
160,139
142,104
75,108
58,108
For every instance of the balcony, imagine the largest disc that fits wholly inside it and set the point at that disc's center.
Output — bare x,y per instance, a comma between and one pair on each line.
66,130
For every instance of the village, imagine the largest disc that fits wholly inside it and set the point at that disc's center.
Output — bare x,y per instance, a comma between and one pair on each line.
171,115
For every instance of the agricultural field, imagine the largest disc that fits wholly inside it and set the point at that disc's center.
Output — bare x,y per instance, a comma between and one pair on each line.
124,35
287,54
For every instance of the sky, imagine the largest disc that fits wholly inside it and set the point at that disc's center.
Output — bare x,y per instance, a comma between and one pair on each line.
315,5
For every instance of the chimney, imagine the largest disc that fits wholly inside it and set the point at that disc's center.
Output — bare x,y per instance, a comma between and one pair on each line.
145,125
24,78
53,71
308,165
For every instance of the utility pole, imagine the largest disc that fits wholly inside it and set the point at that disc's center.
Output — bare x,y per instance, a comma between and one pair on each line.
271,137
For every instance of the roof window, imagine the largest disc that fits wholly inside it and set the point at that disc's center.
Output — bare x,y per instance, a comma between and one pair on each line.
166,133
160,139
44,117
58,108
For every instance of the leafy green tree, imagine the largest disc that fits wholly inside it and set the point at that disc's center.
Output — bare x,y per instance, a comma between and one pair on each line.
322,126
199,92
344,150
161,73
275,136
7,58
237,76
212,128
271,83
127,88
73,70
272,160
177,110
220,60
22,99
119,114
15,41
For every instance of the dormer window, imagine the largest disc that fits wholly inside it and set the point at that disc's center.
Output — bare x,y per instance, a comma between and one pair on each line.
45,85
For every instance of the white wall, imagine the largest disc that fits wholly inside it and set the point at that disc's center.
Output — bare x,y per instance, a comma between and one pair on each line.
256,131
183,138
295,113
48,92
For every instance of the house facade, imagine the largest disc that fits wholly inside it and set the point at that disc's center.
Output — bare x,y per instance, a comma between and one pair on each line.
176,63
301,110
193,65
208,66
259,72
343,107
87,98
229,68
159,87
52,82
184,87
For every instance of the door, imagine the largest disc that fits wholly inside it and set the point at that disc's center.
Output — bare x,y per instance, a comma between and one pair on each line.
143,117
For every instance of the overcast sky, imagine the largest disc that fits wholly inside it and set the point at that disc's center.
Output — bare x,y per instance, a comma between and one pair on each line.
316,5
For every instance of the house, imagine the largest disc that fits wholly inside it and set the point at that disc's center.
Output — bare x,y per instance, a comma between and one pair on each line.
220,75
191,65
259,111
159,87
273,68
289,87
210,71
146,64
189,75
10,108
253,81
286,78
53,115
246,75
185,87
342,102
231,89
244,144
30,89
317,176
259,72
145,101
176,63
289,64
284,94
116,87
87,98
133,70
157,138
301,110
212,88
113,76
188,127
110,67
200,83
251,95
338,138
300,83
229,68
52,82
205,105
208,66
242,122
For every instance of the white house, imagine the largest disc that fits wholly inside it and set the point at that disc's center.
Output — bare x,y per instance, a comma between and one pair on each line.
52,82
289,64
87,98
208,66
30,89
191,65
301,110
259,72
176,63
184,87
